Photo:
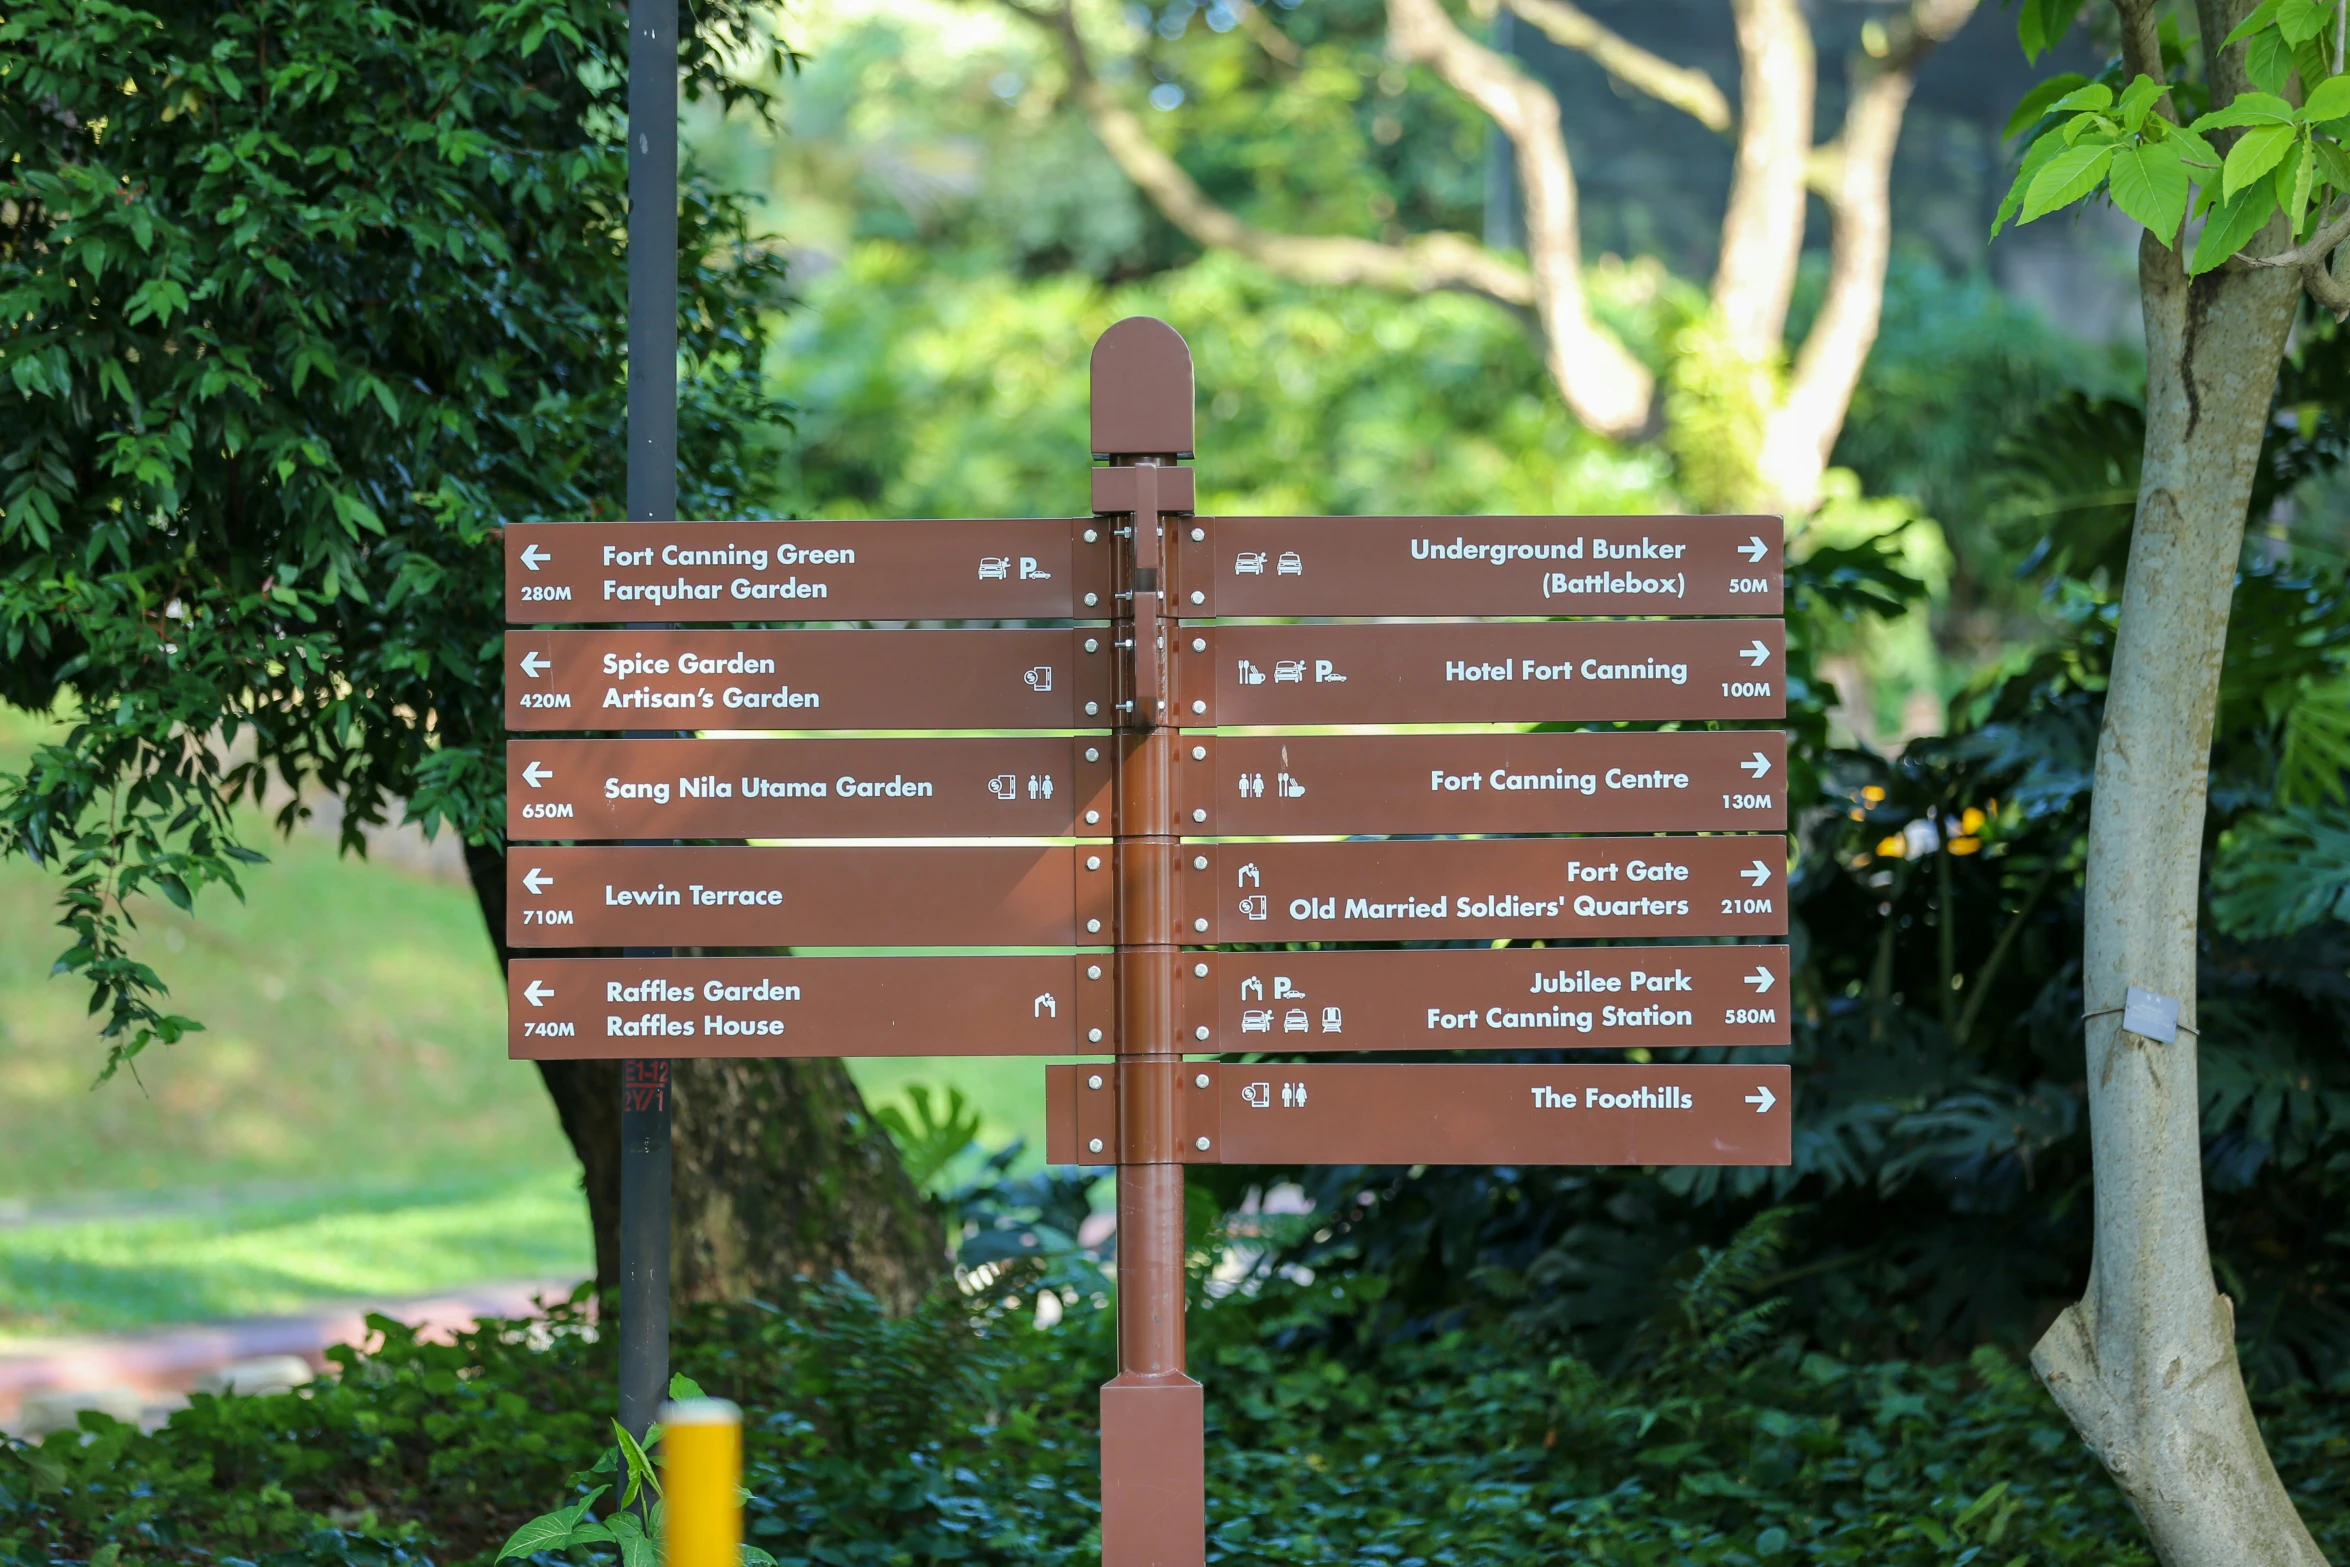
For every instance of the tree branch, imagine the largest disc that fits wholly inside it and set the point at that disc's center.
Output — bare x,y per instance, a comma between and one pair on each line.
1606,387
1679,86
1266,36
2312,251
1762,231
1428,262
1802,430
2328,286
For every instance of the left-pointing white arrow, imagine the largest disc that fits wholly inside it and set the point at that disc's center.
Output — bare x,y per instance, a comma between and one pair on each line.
537,880
1759,766
532,555
1757,873
1754,549
1755,654
1762,1099
536,993
532,663
537,773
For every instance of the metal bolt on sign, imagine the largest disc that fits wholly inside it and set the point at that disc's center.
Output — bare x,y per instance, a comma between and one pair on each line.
1095,816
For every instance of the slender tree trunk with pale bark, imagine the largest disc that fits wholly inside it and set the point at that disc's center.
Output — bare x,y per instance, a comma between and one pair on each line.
2145,1363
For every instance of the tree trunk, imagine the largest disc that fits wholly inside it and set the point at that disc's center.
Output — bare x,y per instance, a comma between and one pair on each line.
1800,434
779,1169
780,1172
1602,383
2145,1364
1762,229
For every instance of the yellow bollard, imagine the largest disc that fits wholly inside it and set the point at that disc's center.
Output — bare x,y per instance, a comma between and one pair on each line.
701,1483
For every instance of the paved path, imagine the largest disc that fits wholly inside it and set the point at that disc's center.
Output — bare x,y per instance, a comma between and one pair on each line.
160,1365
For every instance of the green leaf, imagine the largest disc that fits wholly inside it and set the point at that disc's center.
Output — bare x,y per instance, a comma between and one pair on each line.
641,1474
2032,105
2279,872
636,1548
2193,149
2036,158
2261,15
2293,181
2330,101
2268,60
2136,101
2069,176
2257,151
2150,184
2301,20
2090,99
2040,25
2314,766
547,1532
2230,226
2333,161
1980,1504
682,1386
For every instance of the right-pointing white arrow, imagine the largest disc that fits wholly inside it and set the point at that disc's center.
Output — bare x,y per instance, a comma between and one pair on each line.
1760,979
1757,873
537,880
1754,549
532,663
1762,1099
1759,766
1756,653
537,773
536,993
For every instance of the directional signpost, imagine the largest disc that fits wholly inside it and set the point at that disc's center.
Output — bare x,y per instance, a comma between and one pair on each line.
1160,773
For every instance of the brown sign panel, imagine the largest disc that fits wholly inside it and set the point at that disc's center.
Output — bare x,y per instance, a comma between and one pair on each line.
762,680
1483,889
1486,998
993,895
944,787
1250,566
1442,1113
580,1009
1015,568
1266,786
1499,672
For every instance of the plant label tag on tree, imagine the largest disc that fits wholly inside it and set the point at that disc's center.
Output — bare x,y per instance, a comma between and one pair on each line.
2151,1015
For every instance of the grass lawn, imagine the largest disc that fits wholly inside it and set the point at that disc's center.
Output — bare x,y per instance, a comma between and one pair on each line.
347,1122
255,1256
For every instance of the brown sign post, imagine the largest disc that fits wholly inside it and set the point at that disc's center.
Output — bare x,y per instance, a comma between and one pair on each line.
773,680
586,1008
1284,1112
946,787
1095,803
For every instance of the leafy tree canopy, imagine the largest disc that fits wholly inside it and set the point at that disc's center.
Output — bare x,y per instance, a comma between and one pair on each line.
306,299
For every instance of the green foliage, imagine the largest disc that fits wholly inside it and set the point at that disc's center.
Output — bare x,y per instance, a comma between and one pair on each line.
930,1140
2277,873
964,1433
306,301
2147,146
930,393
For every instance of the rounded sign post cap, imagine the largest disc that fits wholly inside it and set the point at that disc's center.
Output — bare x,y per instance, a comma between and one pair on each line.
1142,396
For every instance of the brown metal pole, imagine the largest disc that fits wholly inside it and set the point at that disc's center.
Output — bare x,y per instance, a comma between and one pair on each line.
1154,1510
